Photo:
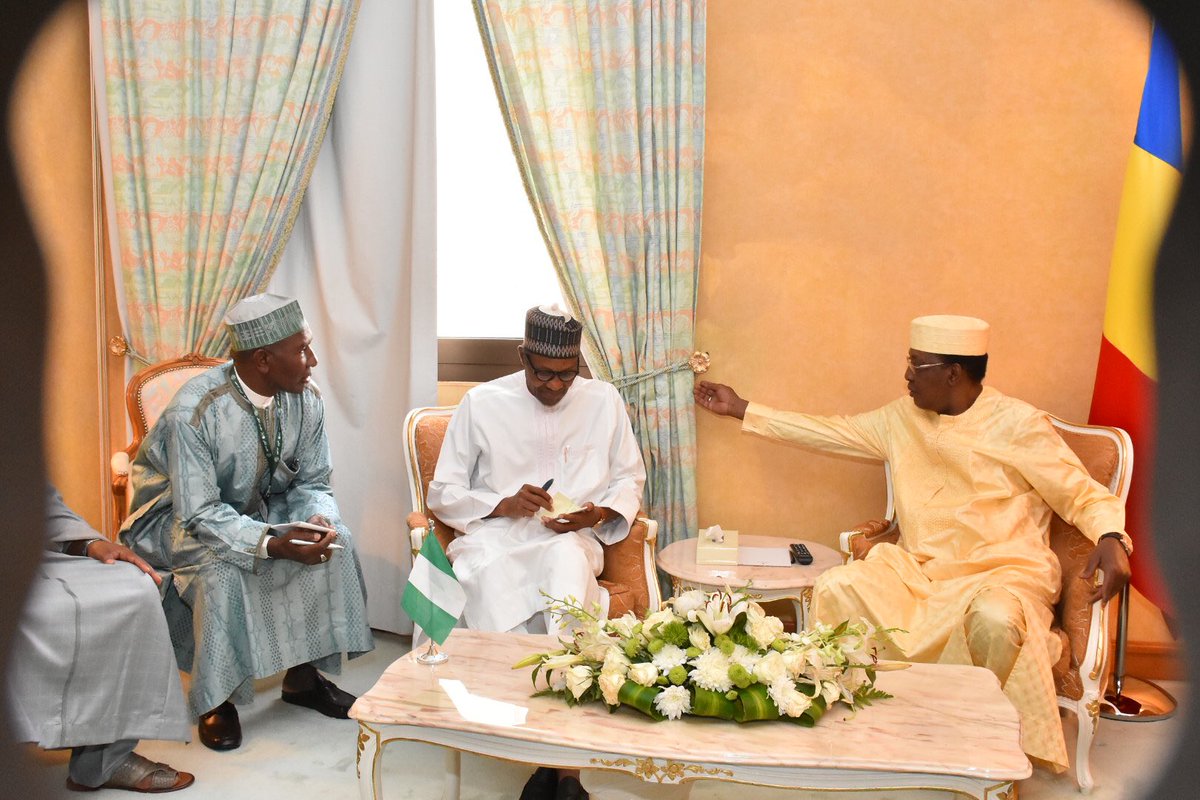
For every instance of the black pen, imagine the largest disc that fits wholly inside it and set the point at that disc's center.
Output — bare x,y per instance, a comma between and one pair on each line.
546,485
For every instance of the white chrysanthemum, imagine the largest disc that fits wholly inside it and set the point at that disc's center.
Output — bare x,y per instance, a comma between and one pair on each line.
790,701
762,628
687,604
745,657
699,637
711,671
669,657
579,679
673,702
831,691
770,669
610,687
644,674
615,662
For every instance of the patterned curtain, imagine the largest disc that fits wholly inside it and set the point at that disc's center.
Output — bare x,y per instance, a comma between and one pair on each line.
604,102
216,110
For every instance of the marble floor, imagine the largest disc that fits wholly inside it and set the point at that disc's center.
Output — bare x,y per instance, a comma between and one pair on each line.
296,754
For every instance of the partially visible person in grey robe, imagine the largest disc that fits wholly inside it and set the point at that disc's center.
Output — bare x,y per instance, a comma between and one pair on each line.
92,667
241,448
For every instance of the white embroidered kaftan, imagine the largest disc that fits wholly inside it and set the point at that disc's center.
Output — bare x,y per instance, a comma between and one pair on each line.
502,437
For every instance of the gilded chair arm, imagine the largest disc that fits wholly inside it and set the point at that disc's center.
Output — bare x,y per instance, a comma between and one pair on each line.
651,531
855,542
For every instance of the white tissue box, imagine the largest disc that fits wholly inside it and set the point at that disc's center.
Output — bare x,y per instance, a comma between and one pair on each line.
723,552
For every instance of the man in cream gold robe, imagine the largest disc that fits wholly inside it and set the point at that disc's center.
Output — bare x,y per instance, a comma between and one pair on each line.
977,477
506,440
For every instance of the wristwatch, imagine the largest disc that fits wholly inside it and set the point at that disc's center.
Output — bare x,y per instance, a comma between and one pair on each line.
1123,538
603,517
82,544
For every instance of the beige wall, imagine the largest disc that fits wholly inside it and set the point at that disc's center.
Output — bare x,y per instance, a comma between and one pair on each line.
869,162
51,138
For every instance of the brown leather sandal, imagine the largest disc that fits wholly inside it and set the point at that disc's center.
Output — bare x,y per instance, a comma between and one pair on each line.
140,774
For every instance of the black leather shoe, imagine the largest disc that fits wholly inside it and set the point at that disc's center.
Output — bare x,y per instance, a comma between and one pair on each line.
541,785
220,729
324,696
569,788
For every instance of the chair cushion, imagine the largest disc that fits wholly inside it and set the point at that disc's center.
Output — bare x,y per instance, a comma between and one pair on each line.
625,566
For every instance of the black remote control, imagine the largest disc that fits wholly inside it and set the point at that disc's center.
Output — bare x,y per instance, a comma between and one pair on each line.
799,554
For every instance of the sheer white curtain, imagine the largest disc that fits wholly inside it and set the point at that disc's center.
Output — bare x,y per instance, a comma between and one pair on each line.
361,260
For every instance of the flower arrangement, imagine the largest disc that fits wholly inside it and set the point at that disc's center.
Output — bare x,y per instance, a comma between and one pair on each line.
715,654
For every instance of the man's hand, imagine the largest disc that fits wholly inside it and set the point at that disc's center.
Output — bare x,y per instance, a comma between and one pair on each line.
111,552
317,552
720,399
525,503
585,517
1110,557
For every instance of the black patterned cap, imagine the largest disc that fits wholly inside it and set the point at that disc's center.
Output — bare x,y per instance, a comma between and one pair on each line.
552,332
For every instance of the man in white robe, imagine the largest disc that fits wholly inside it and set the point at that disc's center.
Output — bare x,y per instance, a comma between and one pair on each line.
239,449
977,476
513,445
92,667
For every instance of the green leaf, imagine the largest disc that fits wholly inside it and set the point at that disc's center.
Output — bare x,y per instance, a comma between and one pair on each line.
706,703
755,704
641,698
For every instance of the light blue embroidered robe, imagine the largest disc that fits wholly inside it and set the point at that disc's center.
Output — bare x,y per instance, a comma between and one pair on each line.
199,513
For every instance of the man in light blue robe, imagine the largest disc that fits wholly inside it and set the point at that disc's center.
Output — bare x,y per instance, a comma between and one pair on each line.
91,665
242,448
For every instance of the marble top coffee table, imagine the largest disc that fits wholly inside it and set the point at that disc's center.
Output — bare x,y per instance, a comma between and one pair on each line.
793,582
947,727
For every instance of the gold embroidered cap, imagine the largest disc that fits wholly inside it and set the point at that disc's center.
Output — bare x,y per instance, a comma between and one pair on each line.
263,319
949,335
552,332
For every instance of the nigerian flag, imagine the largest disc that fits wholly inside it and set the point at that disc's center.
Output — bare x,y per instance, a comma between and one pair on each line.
433,597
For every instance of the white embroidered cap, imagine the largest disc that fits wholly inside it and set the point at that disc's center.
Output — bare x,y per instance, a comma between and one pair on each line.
948,334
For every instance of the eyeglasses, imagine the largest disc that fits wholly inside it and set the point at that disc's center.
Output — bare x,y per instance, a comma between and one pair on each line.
545,375
914,366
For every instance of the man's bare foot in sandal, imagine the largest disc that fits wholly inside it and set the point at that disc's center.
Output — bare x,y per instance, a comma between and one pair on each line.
140,774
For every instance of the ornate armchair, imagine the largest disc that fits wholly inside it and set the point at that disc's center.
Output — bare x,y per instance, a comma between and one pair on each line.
148,393
629,571
1081,671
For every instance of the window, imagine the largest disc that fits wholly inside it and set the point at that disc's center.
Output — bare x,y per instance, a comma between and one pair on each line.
492,262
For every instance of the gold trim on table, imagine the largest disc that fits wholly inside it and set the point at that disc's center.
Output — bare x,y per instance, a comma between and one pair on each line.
670,772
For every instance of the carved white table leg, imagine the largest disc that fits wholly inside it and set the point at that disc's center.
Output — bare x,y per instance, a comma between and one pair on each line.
369,763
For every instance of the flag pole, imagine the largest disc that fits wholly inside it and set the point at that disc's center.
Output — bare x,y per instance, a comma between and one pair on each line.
432,655
1133,699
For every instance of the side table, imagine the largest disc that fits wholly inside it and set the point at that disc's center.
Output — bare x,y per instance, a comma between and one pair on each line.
793,583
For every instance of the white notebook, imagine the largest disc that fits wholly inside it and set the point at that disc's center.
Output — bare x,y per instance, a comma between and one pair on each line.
764,557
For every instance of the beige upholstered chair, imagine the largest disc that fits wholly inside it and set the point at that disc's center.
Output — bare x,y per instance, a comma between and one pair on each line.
1081,671
148,393
629,572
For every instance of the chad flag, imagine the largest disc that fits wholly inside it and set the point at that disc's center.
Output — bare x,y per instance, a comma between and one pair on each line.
1126,378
